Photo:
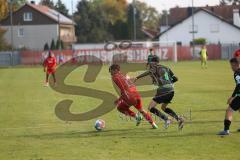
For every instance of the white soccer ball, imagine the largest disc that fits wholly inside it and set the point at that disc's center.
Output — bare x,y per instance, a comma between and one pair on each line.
99,124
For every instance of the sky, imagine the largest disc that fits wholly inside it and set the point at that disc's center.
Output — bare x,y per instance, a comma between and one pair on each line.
158,4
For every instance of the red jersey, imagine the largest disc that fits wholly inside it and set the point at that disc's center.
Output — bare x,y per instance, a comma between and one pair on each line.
237,54
127,88
50,62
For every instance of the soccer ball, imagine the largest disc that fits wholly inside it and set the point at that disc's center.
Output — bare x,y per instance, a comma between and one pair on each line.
99,125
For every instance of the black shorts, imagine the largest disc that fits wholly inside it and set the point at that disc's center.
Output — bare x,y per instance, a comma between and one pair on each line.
165,98
235,105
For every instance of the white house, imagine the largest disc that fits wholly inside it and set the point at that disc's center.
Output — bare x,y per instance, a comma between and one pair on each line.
35,25
208,25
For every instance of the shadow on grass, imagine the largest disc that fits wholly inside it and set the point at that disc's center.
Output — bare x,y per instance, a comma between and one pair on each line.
121,133
126,133
210,110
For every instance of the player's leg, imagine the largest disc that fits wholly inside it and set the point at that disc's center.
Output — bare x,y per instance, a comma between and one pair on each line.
169,111
46,80
123,108
234,106
146,115
173,114
227,121
54,77
153,109
166,99
205,62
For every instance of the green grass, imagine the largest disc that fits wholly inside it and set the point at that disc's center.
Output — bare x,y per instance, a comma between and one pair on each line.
29,129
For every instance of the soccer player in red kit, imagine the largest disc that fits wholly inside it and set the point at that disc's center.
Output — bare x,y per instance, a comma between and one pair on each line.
237,54
129,97
49,65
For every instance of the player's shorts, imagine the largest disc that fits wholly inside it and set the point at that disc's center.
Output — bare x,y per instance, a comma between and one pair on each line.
235,105
165,98
127,103
50,71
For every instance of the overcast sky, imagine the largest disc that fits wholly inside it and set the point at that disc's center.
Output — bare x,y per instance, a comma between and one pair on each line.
159,4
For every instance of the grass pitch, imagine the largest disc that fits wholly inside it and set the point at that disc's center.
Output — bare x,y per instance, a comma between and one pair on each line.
30,130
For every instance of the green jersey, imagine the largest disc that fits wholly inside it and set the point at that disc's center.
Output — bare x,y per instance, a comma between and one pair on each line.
150,58
161,76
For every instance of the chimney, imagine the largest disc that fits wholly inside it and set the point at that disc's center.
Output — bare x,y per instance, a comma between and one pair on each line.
236,17
32,2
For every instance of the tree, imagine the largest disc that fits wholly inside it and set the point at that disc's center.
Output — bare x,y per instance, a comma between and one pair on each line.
48,3
92,23
114,10
18,3
3,44
59,45
3,9
46,47
60,7
149,15
139,23
53,46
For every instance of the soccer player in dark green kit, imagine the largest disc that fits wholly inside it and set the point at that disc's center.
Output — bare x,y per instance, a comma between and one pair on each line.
234,100
164,78
150,56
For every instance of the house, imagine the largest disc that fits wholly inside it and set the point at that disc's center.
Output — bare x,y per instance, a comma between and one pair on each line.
35,25
216,24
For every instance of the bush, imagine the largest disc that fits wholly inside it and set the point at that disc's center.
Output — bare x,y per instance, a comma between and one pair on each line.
46,47
3,44
200,41
53,46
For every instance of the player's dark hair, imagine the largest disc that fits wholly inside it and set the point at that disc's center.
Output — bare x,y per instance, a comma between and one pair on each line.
114,67
155,59
150,49
234,60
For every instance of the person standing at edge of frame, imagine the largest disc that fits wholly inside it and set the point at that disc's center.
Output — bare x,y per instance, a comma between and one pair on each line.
234,100
204,57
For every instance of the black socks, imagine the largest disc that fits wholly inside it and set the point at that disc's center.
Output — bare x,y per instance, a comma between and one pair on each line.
171,113
158,113
227,124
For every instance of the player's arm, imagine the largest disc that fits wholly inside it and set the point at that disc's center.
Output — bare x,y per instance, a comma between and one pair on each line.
55,63
45,65
174,79
142,75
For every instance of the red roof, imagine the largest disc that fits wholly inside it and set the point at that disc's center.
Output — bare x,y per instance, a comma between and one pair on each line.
51,13
178,14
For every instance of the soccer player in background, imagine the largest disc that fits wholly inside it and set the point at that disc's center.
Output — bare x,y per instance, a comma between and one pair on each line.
150,56
164,78
49,65
204,56
233,101
129,96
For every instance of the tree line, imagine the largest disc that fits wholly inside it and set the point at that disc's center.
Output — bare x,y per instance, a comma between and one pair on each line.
105,20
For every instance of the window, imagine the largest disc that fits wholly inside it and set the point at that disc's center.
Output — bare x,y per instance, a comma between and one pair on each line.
191,29
20,32
27,16
214,28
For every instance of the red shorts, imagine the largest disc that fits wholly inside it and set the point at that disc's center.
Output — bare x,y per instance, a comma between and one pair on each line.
132,100
50,71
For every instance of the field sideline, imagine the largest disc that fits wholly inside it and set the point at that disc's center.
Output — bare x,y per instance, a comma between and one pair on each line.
30,130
